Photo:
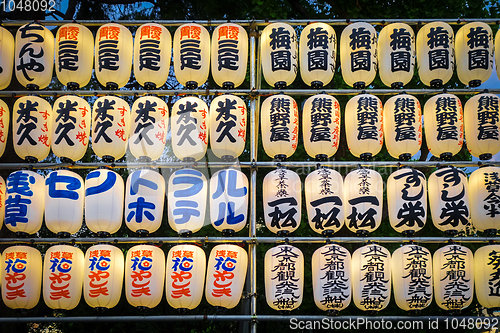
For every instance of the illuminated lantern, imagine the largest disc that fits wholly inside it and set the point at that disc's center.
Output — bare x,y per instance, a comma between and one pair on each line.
229,55
32,128
474,52
407,200
363,200
103,276
287,261
190,123
191,55
24,202
110,127
482,126
324,195
21,277
144,275
7,46
71,128
448,199
358,54
185,276
63,267
282,195
34,56
331,277
4,124
3,188
74,55
279,126
64,198
435,54
104,201
226,273
321,126
412,277
318,51
484,187
453,271
228,125
444,126
149,128
144,200
152,49
229,200
363,126
497,54
402,126
187,200
486,275
278,50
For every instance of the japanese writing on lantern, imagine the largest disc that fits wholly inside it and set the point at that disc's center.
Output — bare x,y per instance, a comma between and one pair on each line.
404,118
2,125
279,217
494,280
279,119
417,270
456,286
318,42
28,122
321,118
183,263
65,121
362,40
412,211
281,54
455,212
103,120
226,120
478,43
139,208
287,285
367,117
18,199
60,277
227,52
487,118
438,41
401,45
68,48
492,201
100,261
142,262
188,124
375,285
55,182
105,186
225,263
28,55
149,48
190,47
226,187
322,217
144,122
15,267
186,204
363,216
336,284
446,118
108,54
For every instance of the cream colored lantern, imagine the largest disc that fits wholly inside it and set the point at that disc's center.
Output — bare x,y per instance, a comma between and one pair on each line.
4,125
484,187
3,194
486,275
7,46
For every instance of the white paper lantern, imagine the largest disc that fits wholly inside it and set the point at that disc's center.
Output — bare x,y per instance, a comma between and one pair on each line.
7,46
484,198
4,125
3,194
486,275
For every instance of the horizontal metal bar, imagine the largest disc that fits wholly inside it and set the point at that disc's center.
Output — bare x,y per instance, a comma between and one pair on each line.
126,240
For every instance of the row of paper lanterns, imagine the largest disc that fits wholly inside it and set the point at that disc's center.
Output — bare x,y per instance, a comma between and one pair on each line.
31,54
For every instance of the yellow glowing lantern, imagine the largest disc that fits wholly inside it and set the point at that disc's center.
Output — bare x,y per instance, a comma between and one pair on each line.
7,46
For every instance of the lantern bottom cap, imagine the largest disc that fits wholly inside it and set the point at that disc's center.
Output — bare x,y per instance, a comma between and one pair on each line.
486,156
185,233
100,309
332,312
63,234
280,158
446,156
359,85
108,159
436,83
474,83
149,85
142,232
316,84
228,85
182,310
103,234
283,233
328,233
408,233
188,159
144,159
404,157
490,232
228,232
191,85
280,85
66,160
366,156
73,85
22,234
228,158
321,157
32,87
31,159
111,86
397,85
362,233
451,233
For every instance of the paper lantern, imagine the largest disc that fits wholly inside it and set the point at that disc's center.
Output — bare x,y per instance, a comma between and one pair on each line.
21,277
103,276
363,126
24,202
228,125
358,54
110,127
4,124
449,200
64,197
331,277
444,125
486,275
371,277
284,277
32,129
497,54
113,55
71,128
63,269
402,126
453,271
278,52
185,276
482,126
7,46
435,54
187,200
321,126
152,49
104,201
229,55
229,200
396,54
324,190
484,197
282,195
3,194
144,275
412,277
191,55
318,51
34,56
149,127
226,273
144,198
74,55
279,126
190,123
474,52
363,200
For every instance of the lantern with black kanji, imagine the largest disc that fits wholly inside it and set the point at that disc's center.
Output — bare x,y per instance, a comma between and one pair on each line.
74,55
7,46
321,126
113,55
435,54
318,51
363,126
487,275
497,54
191,55
484,188
278,50
229,55
152,52
474,52
4,125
